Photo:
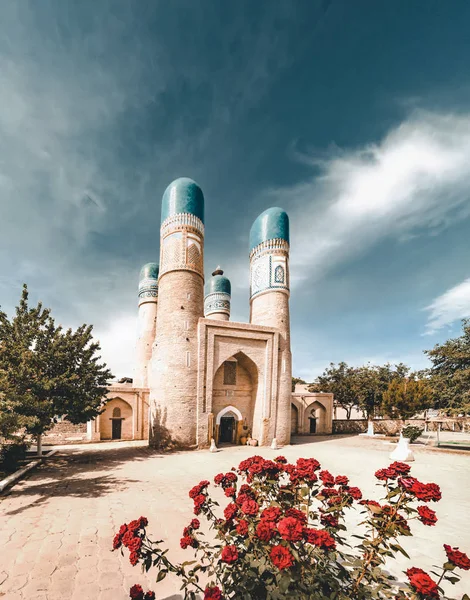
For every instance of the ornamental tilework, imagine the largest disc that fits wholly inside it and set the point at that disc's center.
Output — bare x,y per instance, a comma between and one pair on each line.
182,245
217,303
148,288
269,269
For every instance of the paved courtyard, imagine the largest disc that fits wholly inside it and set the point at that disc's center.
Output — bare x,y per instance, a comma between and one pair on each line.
56,526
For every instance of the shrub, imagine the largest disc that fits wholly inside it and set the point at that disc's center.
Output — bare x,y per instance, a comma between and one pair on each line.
282,536
11,454
412,432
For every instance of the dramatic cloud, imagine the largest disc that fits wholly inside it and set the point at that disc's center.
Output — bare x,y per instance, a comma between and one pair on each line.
451,306
415,180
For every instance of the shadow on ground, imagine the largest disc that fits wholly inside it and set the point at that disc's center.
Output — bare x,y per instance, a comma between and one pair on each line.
71,474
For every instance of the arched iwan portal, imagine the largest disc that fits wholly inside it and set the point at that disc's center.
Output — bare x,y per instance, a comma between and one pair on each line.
315,418
116,422
233,399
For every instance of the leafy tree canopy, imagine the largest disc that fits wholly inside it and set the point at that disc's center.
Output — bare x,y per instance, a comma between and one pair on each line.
46,371
450,372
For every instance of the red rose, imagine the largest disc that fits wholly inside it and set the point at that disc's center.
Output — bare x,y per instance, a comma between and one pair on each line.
297,514
250,507
319,538
135,545
197,489
128,538
291,529
422,583
242,527
136,592
133,558
328,492
213,593
427,516
281,459
195,524
230,511
134,526
281,557
198,503
265,530
229,554
271,514
341,480
327,478
329,520
230,491
219,478
186,541
457,558
355,493
149,595
400,468
122,529
246,489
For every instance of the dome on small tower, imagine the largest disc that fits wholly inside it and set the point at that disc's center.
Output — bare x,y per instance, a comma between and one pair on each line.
218,283
149,271
271,224
183,195
148,283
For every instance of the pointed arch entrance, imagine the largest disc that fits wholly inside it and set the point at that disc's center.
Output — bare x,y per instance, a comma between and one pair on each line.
234,392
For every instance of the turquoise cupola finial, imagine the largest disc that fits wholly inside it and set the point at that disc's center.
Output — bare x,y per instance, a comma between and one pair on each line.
271,224
183,195
149,271
218,283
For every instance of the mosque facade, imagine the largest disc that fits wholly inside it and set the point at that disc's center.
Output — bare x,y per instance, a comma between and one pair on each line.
198,375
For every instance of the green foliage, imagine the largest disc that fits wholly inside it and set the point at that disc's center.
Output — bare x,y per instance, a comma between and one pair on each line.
46,371
11,455
360,387
412,432
296,380
450,372
406,397
341,381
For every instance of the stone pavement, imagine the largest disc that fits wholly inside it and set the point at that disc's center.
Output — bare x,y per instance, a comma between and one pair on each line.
56,526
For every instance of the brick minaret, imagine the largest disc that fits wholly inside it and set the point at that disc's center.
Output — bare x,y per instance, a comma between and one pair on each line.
147,321
174,363
269,301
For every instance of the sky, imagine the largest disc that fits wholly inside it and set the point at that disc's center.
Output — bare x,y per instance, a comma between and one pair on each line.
352,116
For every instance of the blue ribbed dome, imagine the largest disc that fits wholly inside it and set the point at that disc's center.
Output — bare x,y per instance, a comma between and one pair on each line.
218,283
149,271
271,224
183,195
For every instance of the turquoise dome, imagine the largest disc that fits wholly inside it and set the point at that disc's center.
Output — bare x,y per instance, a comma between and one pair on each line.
218,283
271,224
183,195
149,271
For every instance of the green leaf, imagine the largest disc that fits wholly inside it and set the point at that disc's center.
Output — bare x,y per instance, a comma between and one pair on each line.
162,574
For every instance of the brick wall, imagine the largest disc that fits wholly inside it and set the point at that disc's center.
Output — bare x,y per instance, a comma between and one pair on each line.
66,433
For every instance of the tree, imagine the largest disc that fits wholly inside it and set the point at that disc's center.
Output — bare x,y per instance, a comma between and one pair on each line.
406,397
46,371
295,381
341,381
450,372
373,381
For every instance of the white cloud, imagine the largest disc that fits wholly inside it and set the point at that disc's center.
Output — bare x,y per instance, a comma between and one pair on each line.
416,178
451,306
117,343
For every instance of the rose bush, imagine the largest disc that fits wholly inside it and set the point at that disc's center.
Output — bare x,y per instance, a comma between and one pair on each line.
283,535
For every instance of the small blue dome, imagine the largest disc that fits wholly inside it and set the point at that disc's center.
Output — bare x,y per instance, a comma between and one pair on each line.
271,224
149,271
218,283
183,195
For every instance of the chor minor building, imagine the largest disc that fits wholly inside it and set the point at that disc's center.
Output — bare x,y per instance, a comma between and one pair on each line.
198,375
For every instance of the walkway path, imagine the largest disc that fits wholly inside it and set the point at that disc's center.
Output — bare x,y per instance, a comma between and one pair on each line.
56,527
